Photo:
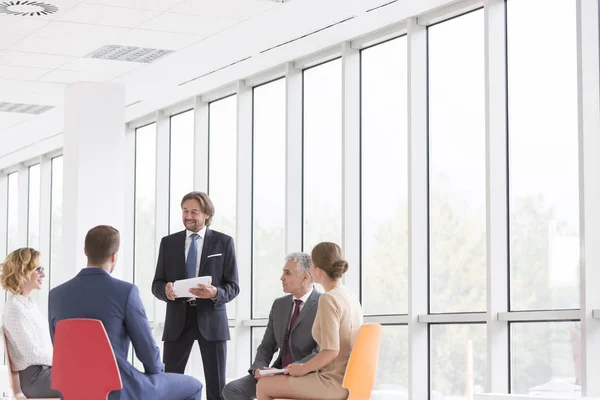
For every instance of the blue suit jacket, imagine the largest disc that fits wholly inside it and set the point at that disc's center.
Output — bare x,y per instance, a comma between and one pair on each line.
93,293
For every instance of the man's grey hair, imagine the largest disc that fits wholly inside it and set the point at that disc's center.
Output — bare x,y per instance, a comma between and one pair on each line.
302,259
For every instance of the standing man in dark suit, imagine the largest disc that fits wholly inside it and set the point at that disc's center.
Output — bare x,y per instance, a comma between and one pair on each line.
288,330
93,293
197,251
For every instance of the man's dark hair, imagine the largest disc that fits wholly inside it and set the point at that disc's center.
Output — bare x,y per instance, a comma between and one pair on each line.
100,243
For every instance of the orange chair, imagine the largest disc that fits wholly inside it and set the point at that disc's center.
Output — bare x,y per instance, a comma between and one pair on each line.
15,383
84,364
362,365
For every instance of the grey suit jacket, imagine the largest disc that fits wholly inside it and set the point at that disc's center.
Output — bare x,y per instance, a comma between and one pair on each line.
301,341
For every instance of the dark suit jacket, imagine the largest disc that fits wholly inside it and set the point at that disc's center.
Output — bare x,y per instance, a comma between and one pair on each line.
93,293
212,314
302,344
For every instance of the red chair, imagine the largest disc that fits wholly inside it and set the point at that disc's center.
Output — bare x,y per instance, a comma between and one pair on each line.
84,364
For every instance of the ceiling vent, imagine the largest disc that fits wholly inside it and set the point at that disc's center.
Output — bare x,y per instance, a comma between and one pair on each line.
128,53
24,108
27,8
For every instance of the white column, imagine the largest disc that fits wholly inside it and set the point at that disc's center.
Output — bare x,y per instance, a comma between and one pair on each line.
351,165
244,227
201,145
293,158
94,144
497,192
589,185
128,233
418,346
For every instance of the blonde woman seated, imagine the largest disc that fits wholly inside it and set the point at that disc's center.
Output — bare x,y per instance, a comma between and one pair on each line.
26,329
339,317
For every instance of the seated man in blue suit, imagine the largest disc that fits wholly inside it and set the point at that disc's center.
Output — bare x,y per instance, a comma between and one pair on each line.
93,293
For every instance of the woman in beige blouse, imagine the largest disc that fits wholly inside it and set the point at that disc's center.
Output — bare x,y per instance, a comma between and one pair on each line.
339,317
26,328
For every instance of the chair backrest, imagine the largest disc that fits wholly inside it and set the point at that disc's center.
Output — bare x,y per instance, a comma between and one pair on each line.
362,365
84,364
15,384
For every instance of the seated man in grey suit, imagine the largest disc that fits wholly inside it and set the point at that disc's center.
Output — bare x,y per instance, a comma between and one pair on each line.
288,330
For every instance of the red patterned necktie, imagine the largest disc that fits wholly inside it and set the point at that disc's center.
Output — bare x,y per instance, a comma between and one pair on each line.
287,353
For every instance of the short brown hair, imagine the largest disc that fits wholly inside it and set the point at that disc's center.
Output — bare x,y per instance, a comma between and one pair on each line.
17,267
328,257
100,243
206,204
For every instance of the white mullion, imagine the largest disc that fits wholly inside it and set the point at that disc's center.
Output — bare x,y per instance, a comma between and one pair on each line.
418,344
387,319
539,316
201,138
127,237
44,228
589,188
596,314
497,379
293,159
454,318
162,195
351,165
23,213
3,217
244,224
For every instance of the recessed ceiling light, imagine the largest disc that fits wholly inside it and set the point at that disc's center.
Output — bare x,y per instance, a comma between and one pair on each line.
23,108
26,8
128,53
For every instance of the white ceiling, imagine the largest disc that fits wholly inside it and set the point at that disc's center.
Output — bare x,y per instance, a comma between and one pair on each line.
41,56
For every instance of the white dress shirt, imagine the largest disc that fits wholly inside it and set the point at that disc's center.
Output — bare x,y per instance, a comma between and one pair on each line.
303,299
27,333
199,243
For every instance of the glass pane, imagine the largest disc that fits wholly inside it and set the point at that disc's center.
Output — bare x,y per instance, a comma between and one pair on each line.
13,212
33,211
182,165
546,359
257,335
56,244
384,201
268,196
458,360
543,138
391,382
222,174
457,199
323,154
145,215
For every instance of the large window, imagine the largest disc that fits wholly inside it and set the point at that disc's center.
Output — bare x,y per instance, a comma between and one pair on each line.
384,201
56,210
145,214
268,196
323,154
543,139
546,357
12,238
33,211
222,174
458,360
182,165
457,188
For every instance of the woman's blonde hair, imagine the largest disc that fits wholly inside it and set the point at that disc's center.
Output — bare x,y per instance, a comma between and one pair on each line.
17,267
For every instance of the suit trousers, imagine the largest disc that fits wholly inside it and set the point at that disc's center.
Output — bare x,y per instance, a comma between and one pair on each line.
35,382
243,388
214,355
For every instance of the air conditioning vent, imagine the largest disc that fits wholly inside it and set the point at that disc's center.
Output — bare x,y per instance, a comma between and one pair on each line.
27,8
24,108
128,53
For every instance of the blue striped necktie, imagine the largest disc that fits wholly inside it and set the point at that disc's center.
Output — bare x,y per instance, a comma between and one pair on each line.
192,258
